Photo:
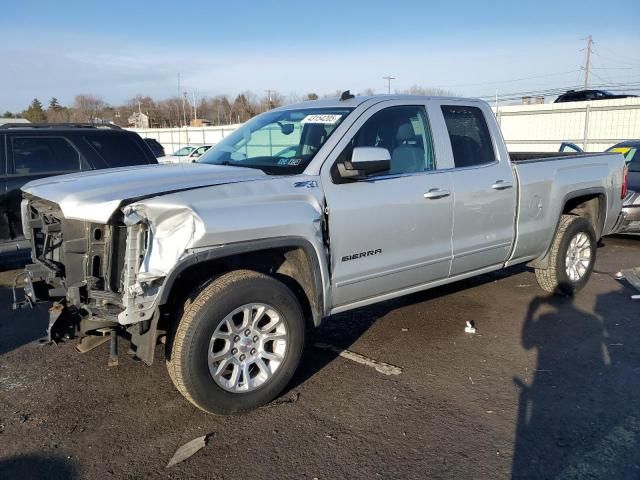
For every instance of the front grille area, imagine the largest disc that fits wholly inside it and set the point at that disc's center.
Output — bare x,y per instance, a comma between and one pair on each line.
83,256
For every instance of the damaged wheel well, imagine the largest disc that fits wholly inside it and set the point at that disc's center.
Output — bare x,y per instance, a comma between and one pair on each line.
294,266
592,207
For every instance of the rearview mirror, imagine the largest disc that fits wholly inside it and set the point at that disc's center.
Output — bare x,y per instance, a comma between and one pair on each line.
286,128
365,161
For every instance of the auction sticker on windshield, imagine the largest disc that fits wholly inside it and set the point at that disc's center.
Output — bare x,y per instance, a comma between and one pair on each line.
320,118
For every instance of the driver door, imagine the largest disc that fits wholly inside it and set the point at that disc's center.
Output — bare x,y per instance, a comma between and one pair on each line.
390,231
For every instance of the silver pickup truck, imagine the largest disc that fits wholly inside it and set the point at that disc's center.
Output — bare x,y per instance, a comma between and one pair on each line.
303,212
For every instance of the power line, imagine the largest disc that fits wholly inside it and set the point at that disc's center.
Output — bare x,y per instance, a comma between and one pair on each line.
513,79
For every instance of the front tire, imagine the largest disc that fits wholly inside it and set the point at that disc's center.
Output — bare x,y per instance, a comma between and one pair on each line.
237,344
571,257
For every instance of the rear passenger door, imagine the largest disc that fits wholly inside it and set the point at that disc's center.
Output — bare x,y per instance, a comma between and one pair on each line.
484,185
33,156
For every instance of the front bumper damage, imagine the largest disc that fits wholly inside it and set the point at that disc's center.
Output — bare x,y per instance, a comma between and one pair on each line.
102,278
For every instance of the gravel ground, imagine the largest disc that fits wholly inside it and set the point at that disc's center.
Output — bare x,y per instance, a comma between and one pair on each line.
546,388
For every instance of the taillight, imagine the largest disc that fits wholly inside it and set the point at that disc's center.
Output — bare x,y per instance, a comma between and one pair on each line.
623,190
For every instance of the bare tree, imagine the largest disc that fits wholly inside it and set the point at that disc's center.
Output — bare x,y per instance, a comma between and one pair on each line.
88,108
272,100
431,91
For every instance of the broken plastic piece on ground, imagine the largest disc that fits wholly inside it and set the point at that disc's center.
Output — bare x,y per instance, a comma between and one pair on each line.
90,342
189,449
470,328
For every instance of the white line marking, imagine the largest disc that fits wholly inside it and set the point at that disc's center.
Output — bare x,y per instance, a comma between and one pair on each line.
384,368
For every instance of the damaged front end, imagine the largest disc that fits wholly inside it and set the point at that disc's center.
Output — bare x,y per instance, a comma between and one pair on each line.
101,278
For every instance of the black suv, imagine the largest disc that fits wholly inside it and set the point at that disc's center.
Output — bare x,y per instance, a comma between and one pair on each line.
584,95
155,146
31,151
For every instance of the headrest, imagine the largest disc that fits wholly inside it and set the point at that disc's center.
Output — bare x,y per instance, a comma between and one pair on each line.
405,132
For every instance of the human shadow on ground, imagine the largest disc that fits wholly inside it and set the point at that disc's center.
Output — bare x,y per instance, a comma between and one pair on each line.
37,467
578,414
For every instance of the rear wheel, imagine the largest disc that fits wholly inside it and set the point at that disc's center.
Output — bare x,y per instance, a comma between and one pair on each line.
238,343
571,258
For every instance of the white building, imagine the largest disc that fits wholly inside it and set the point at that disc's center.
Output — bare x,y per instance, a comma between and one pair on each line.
138,120
4,120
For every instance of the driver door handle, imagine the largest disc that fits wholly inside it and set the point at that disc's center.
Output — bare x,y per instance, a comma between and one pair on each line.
434,193
501,185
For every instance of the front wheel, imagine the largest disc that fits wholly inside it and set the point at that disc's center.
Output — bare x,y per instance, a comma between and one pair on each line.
571,258
238,344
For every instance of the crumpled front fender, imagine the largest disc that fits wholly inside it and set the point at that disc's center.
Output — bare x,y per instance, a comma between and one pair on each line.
170,232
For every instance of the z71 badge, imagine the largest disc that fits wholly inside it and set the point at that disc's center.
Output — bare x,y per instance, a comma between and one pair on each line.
355,256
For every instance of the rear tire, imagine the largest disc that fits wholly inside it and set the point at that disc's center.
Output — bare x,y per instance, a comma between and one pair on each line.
571,257
237,344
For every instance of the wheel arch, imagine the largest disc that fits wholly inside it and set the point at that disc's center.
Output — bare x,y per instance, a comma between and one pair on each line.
590,203
292,260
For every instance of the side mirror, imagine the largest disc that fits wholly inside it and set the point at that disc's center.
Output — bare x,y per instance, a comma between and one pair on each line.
365,161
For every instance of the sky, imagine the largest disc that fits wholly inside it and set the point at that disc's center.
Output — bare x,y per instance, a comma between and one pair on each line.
117,49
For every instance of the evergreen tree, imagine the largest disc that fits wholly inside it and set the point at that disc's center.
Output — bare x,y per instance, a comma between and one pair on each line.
54,105
34,113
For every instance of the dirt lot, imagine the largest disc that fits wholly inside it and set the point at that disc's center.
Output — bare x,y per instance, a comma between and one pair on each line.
546,388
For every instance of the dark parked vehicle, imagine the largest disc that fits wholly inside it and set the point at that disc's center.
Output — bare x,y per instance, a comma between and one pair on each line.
630,150
32,151
584,95
155,146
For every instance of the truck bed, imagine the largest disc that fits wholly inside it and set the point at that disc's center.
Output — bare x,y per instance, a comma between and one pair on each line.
547,180
518,157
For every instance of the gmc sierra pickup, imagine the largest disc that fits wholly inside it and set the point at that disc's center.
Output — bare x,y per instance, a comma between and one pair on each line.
303,212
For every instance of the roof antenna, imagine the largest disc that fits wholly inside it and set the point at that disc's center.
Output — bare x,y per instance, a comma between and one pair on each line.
346,95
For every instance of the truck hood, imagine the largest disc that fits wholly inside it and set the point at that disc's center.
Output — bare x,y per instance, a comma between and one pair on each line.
94,196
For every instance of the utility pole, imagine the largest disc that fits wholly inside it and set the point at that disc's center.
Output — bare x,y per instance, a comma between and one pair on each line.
388,79
587,62
268,92
184,110
179,91
195,112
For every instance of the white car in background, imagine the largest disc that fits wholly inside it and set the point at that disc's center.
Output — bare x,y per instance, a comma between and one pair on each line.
185,154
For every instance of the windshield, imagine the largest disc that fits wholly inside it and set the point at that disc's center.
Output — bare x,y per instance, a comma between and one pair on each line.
278,143
631,156
183,151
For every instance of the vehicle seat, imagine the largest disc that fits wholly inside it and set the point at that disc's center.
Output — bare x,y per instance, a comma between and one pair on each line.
407,156
314,136
465,150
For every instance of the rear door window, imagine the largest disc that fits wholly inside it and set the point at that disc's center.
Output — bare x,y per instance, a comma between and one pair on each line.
38,155
117,150
470,138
